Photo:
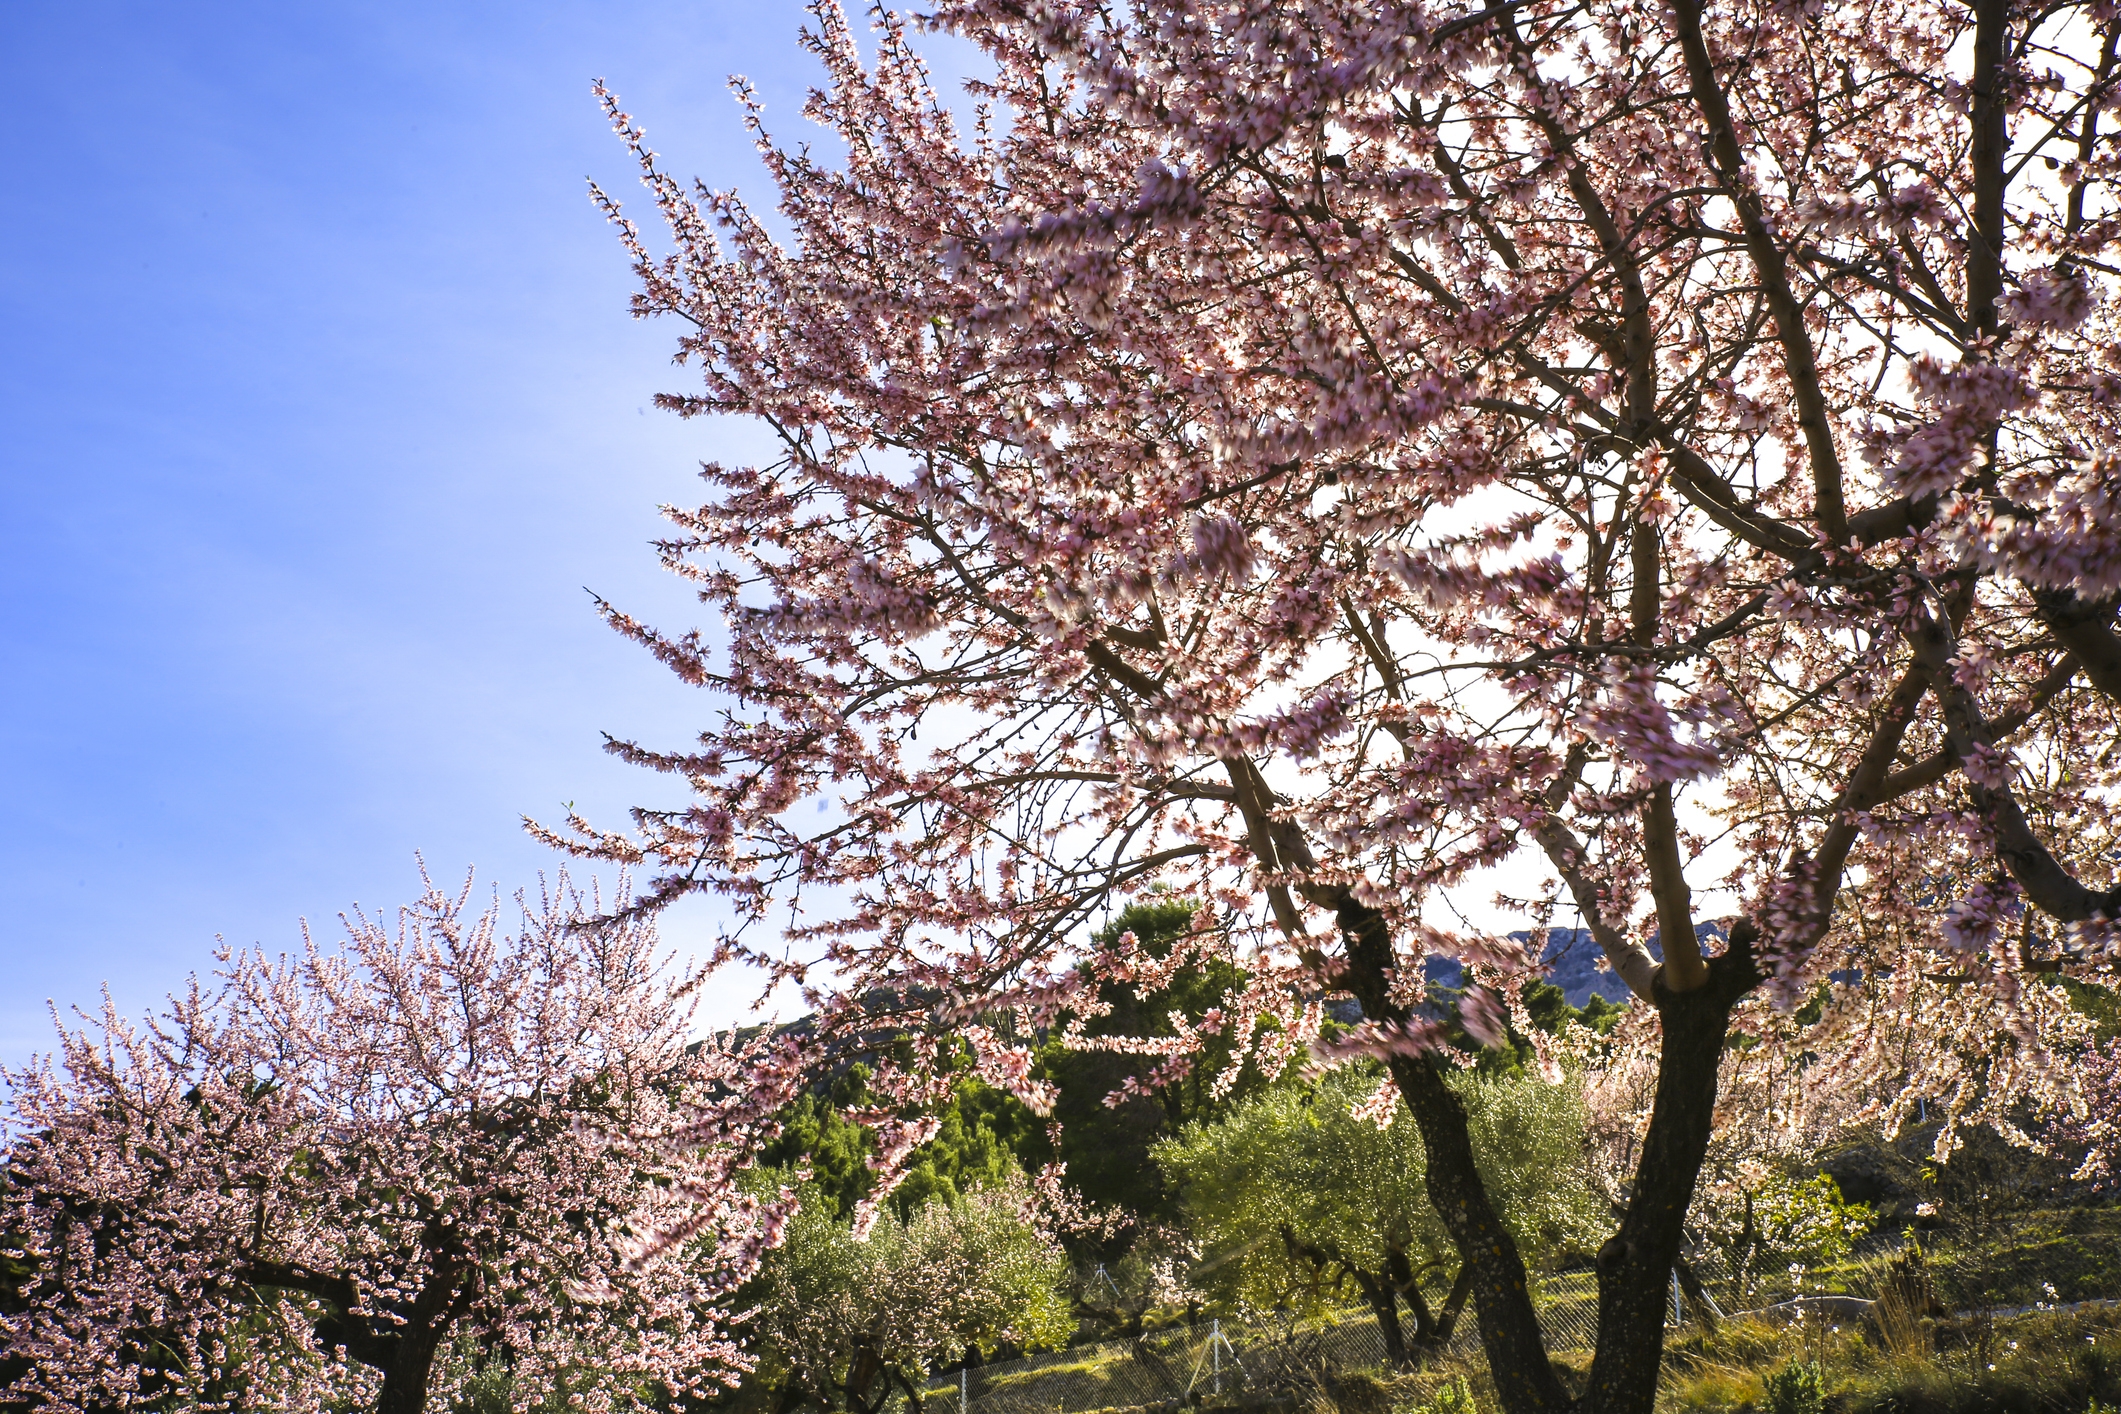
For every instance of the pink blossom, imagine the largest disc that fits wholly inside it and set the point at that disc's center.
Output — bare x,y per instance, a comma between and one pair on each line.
2055,299
1973,922
1222,547
353,1140
1335,464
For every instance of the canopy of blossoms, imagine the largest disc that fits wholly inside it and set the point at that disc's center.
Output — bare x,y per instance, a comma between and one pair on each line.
1369,466
312,1177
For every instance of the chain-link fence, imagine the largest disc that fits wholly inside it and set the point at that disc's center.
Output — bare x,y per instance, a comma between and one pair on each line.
1172,1364
2032,1260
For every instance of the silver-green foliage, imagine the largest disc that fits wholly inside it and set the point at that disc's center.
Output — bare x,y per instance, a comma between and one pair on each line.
854,1319
1298,1169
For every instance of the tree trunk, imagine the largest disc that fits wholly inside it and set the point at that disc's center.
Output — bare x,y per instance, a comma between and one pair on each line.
1432,1329
863,1371
1510,1336
432,1316
1635,1265
1385,1302
1509,1328
405,1380
1455,1302
1400,1273
1697,1295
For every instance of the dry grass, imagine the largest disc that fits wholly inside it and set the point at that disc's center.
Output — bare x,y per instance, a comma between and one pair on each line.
2039,1363
1906,1304
1714,1388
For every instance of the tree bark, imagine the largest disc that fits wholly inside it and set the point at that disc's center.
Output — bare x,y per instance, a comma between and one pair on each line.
1509,1327
1697,1295
1635,1265
433,1315
862,1372
2086,628
1379,1290
1990,153
405,1380
1453,1303
1432,1329
1385,1302
1399,1276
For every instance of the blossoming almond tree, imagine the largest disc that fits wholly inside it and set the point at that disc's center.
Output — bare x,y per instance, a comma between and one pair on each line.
302,1186
1342,460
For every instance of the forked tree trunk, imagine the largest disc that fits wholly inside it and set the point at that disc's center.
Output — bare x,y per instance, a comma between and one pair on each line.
1634,1264
1433,1329
1380,1290
1385,1303
432,1317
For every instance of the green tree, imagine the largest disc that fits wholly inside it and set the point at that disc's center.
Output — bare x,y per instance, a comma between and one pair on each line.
1300,1193
817,1135
987,1134
984,1138
1547,1007
851,1321
1790,1220
1107,1146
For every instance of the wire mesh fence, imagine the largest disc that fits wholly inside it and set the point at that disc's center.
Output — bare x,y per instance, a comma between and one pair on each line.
2028,1262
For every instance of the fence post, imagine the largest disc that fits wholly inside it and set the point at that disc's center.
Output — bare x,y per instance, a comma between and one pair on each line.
1215,1353
1678,1306
963,1380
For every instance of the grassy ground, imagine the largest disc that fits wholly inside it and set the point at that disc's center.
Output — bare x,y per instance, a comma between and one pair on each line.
2037,1363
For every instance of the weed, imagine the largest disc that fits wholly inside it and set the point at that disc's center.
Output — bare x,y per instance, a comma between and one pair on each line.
1796,1388
1716,1389
1906,1300
1453,1396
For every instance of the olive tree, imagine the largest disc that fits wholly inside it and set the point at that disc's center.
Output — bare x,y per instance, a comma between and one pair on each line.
1306,1191
854,1318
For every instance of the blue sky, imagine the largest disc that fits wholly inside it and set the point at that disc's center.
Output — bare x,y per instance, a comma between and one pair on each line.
321,409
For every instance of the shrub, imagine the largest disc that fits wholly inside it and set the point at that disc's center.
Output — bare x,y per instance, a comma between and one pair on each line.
1796,1389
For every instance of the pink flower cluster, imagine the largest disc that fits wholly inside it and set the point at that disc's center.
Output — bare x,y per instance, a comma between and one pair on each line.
1345,464
310,1177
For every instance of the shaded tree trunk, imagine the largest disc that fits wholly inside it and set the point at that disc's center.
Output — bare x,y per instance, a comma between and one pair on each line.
1697,1295
863,1372
405,1355
1434,1330
433,1315
1635,1263
1385,1302
405,1378
1509,1328
1380,1290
